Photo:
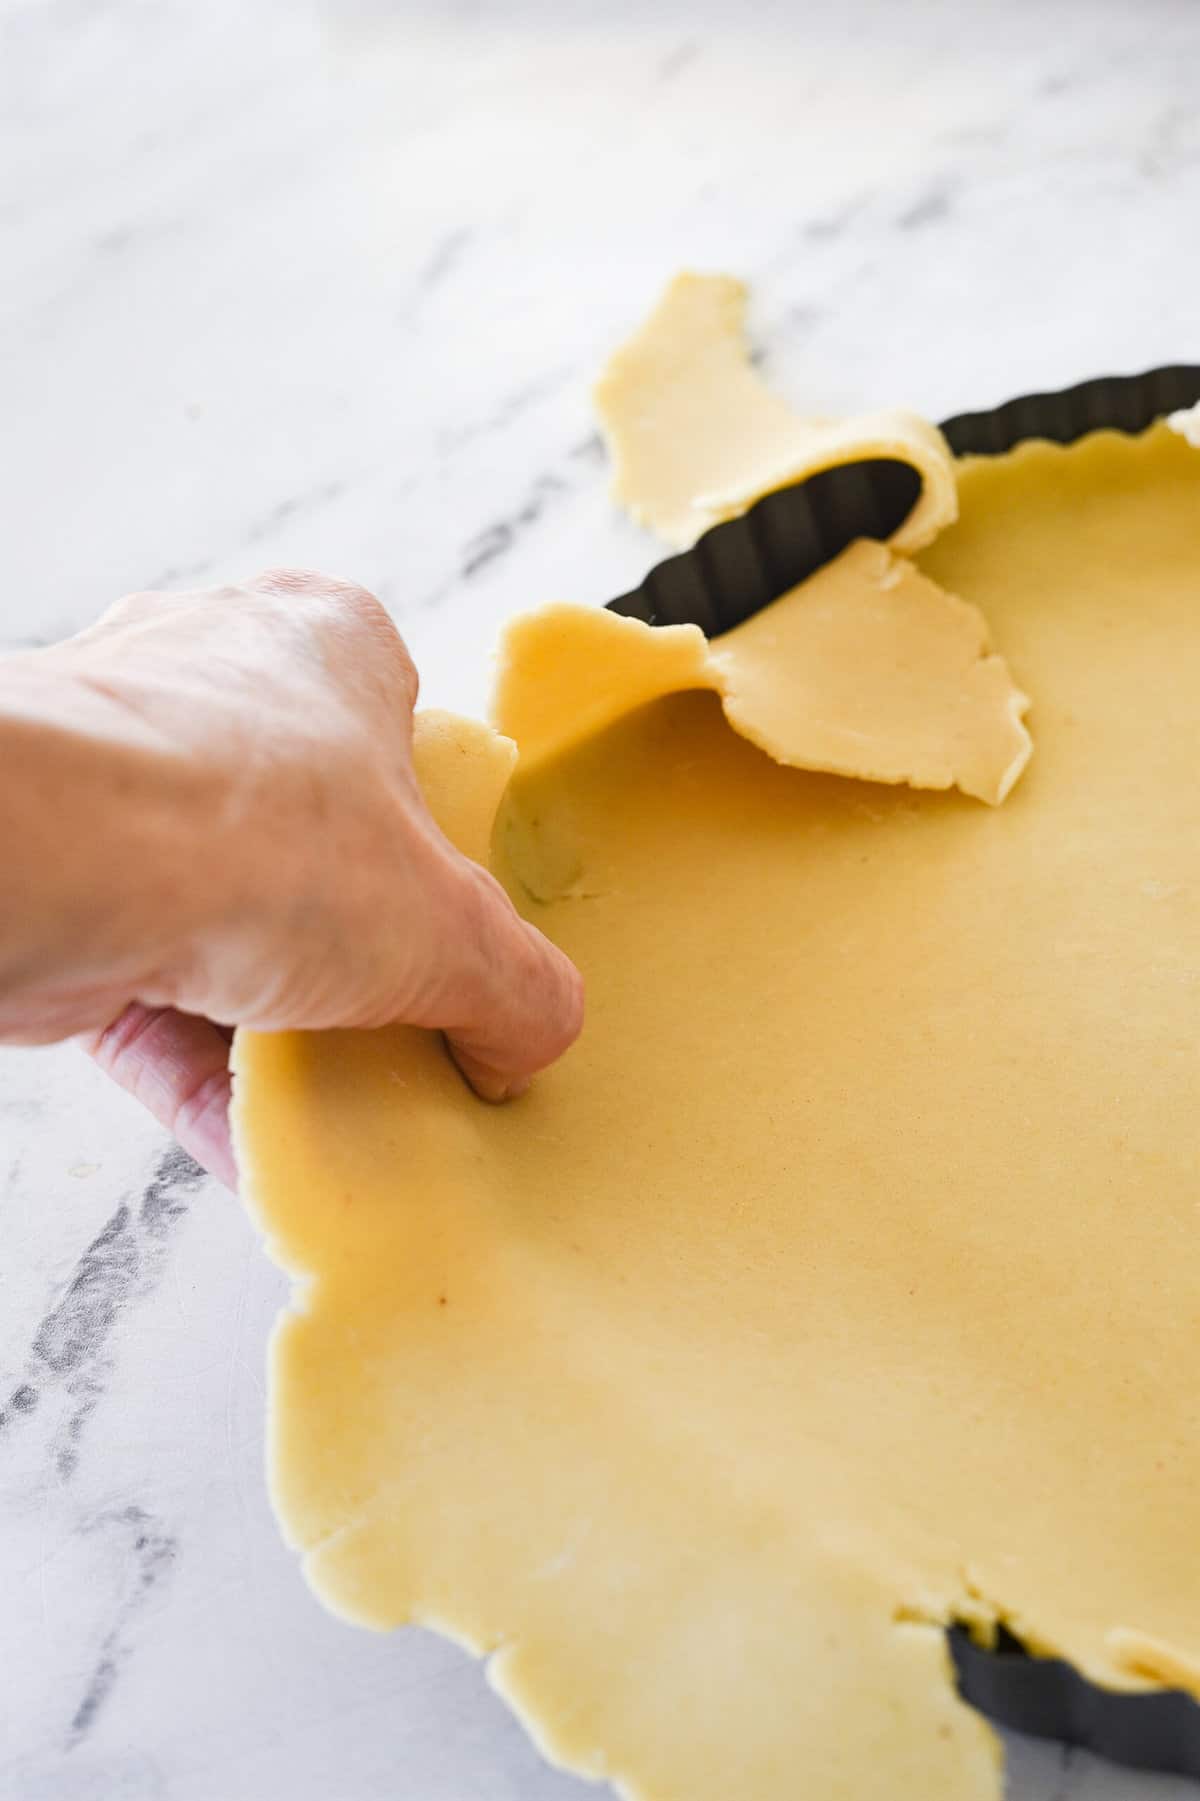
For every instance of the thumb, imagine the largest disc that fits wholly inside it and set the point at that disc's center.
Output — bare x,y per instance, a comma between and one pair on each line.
508,1001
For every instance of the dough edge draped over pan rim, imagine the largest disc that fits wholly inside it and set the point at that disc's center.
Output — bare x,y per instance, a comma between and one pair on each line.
971,1738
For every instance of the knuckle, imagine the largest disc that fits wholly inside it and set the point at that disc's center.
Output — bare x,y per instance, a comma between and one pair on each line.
131,607
284,579
382,641
115,1046
198,1096
355,606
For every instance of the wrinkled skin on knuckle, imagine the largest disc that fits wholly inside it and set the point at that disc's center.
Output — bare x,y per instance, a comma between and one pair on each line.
362,648
382,660
284,578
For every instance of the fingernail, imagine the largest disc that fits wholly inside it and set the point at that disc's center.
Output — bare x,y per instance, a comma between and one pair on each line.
498,1089
487,1083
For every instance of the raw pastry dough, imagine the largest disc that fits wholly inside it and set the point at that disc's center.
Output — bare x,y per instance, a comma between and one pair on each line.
696,437
888,679
843,1280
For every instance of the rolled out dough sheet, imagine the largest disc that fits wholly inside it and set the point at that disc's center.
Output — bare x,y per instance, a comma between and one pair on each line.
843,1280
696,436
889,679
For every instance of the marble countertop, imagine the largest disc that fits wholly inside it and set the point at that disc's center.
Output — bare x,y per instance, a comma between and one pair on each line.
326,284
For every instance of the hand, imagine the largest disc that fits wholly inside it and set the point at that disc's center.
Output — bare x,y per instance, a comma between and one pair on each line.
286,871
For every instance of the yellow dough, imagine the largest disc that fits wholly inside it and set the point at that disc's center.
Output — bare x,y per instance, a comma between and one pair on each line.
888,679
844,1279
697,437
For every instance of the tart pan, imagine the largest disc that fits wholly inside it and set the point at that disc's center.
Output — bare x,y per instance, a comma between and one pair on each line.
733,571
738,567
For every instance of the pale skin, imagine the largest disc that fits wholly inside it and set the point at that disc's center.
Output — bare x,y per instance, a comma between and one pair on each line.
209,818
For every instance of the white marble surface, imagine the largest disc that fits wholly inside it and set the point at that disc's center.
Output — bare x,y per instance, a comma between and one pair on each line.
326,284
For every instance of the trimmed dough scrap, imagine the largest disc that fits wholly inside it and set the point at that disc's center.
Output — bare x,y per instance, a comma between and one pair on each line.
697,437
889,678
902,685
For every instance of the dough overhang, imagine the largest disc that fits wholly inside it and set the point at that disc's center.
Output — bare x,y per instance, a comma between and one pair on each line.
696,436
867,669
842,1280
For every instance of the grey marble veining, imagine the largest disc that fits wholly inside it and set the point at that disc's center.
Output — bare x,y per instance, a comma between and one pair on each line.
327,284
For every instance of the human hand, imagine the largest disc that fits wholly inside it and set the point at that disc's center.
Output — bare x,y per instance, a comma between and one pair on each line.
282,870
